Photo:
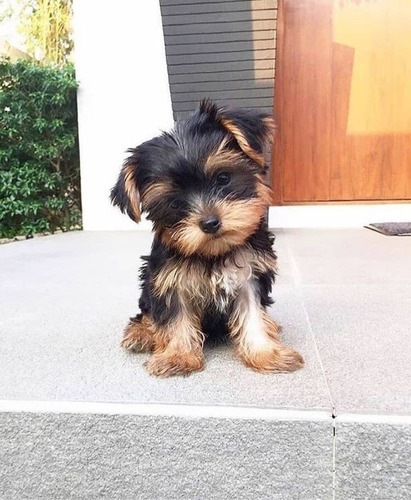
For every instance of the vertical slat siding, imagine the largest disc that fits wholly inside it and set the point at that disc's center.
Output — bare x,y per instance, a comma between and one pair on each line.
223,49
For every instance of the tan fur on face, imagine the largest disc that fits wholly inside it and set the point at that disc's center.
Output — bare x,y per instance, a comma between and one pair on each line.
189,239
263,191
132,192
223,158
155,192
239,220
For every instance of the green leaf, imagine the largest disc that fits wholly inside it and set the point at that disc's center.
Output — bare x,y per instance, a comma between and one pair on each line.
39,159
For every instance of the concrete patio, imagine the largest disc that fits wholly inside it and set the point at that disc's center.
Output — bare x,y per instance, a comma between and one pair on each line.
80,418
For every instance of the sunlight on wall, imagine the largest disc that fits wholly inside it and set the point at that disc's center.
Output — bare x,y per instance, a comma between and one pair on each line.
263,21
379,31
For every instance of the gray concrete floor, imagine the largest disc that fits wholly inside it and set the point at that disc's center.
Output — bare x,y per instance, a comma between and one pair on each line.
342,296
344,300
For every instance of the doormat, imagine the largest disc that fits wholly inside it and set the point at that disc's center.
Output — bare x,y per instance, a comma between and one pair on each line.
392,228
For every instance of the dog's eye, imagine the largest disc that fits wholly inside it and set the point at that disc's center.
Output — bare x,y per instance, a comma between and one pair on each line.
175,204
223,179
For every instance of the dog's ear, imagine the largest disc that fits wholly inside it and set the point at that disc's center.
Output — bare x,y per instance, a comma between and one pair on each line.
125,193
253,130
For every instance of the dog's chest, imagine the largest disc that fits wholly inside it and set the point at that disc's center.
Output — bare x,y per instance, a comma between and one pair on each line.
228,278
218,284
202,283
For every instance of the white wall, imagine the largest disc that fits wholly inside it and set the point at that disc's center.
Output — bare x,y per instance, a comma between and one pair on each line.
123,98
339,215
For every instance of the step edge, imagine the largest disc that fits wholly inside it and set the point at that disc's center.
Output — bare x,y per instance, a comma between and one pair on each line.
163,409
373,418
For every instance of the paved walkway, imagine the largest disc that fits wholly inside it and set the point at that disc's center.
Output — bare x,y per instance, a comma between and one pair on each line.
343,298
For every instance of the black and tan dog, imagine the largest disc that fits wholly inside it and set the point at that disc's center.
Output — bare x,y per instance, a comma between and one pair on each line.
212,266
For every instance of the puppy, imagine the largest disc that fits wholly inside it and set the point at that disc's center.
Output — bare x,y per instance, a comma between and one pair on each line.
211,266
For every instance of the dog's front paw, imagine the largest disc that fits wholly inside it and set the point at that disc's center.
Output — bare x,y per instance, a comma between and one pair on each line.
139,335
168,364
276,360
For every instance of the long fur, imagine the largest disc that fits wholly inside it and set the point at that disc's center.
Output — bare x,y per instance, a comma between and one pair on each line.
201,281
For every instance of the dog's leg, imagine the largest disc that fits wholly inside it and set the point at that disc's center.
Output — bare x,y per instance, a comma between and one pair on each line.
256,336
179,347
139,334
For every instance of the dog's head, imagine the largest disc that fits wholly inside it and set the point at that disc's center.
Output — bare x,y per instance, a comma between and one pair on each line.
202,183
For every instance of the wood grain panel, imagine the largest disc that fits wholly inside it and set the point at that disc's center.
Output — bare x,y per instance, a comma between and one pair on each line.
343,103
371,101
303,92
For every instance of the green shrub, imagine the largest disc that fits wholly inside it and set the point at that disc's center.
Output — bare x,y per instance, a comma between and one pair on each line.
39,159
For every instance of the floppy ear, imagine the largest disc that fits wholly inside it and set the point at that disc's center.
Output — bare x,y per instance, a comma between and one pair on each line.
125,193
253,130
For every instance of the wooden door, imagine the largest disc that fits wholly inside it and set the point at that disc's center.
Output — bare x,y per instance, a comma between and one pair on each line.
343,101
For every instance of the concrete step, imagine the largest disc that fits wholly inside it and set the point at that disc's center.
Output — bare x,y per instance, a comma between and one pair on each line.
127,451
80,418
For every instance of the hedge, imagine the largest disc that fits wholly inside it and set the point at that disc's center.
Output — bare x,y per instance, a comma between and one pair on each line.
39,158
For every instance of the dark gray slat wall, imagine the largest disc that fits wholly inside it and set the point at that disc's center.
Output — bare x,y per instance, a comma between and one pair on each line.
221,66
222,27
174,7
199,2
220,49
223,77
235,56
198,39
256,103
218,86
255,93
217,17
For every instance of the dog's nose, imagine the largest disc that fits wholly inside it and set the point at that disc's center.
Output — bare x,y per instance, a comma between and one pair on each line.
210,224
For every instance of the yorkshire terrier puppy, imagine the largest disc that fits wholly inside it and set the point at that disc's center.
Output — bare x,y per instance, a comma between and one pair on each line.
211,266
